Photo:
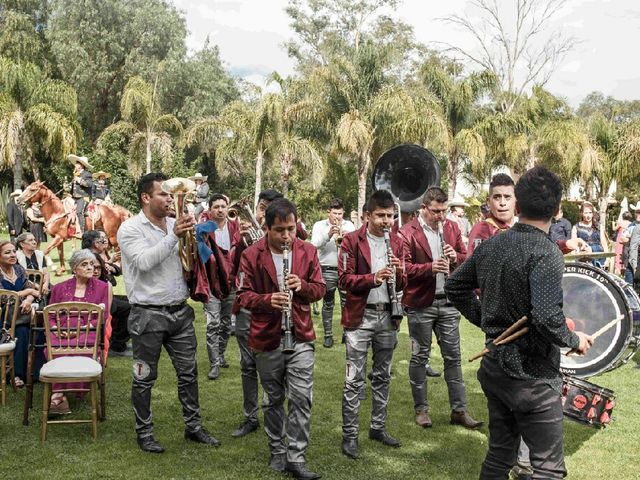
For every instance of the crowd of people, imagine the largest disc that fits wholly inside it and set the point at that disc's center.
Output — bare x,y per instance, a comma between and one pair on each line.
437,265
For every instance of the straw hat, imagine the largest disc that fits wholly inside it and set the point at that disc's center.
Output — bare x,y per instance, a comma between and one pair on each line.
84,161
99,174
16,193
199,176
458,202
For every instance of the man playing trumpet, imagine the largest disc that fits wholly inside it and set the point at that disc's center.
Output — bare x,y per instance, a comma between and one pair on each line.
265,292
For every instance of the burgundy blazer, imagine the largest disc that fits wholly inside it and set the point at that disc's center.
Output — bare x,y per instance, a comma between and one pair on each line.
354,270
257,280
418,260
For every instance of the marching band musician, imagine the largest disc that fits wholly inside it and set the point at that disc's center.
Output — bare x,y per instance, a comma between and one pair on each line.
520,273
364,273
261,281
160,315
326,236
427,307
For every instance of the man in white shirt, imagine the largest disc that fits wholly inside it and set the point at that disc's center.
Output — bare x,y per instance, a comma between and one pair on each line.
160,314
327,236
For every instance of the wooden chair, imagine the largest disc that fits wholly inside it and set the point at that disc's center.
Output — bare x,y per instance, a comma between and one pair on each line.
72,355
36,277
9,309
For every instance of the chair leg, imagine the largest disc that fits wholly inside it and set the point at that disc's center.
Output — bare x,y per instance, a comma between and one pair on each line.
3,368
94,409
46,400
103,399
12,374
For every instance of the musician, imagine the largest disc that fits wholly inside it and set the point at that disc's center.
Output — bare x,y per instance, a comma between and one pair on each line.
100,191
364,272
264,199
202,193
160,315
501,203
427,307
261,284
326,236
521,275
218,311
81,187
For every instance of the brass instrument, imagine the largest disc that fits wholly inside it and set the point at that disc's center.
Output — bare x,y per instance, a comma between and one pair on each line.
180,188
241,211
287,346
396,307
339,235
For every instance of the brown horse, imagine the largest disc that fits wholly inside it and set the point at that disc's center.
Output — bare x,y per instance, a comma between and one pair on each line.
58,220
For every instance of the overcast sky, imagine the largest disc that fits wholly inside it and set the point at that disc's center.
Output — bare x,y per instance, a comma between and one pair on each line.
250,34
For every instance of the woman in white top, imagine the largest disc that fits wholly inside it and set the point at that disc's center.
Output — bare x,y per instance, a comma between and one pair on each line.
32,258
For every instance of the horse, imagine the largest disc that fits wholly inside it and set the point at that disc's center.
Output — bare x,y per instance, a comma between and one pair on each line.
58,220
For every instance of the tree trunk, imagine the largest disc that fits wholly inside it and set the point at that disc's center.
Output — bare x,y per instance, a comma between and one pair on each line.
363,169
148,154
36,171
259,162
452,175
286,172
603,204
17,169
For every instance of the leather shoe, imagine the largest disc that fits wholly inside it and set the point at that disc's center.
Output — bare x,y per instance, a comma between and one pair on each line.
384,437
463,418
423,419
201,436
223,363
350,447
299,471
328,342
149,444
214,372
432,373
246,428
277,462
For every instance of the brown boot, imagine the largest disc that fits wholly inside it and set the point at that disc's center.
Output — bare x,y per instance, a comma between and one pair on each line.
463,418
423,419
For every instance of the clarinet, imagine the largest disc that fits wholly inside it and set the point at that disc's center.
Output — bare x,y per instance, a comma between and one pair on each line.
442,244
287,346
396,307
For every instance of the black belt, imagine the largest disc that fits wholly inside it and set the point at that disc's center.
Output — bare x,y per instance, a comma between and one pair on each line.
166,308
440,296
379,307
331,269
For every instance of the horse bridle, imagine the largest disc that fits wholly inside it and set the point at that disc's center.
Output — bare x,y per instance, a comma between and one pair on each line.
51,195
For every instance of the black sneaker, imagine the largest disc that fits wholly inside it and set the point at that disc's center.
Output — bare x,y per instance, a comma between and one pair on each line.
201,436
149,444
246,428
328,342
299,471
383,437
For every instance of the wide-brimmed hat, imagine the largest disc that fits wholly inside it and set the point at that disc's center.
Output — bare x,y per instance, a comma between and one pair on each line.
199,176
84,161
635,207
101,174
16,193
458,202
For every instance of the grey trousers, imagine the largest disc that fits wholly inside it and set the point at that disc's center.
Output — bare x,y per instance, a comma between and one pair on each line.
444,321
530,408
150,330
331,280
376,328
218,315
248,369
289,375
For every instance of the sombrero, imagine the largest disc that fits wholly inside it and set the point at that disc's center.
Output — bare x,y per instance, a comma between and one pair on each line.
199,176
16,193
458,202
99,174
84,161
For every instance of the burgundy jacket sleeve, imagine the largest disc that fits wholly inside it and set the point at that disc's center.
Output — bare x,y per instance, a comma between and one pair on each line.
247,285
458,244
348,279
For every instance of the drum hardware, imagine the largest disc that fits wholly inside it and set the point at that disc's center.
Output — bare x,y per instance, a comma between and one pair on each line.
586,402
509,335
586,256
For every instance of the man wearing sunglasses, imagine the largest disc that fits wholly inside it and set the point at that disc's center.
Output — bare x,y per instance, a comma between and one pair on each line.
433,248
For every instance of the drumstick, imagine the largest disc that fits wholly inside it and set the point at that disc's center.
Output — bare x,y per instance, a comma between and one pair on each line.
502,337
573,353
513,336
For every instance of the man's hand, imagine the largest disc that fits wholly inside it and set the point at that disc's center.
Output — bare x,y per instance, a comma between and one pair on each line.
383,274
334,230
293,282
577,244
450,252
441,265
183,225
585,343
279,300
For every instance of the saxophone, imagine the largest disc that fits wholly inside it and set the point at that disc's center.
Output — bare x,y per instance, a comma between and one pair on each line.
287,346
396,307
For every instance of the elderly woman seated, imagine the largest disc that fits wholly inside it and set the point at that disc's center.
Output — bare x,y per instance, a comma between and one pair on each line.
13,277
82,287
32,258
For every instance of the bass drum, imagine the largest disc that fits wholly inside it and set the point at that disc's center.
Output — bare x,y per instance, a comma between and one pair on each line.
592,298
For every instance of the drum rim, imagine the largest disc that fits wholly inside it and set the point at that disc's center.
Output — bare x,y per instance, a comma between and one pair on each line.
581,382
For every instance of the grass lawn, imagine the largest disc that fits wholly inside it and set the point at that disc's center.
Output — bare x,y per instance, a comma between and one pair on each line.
442,452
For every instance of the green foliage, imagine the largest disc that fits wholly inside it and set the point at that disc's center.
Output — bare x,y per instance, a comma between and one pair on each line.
5,191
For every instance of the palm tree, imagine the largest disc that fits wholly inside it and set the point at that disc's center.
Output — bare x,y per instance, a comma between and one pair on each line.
144,124
36,112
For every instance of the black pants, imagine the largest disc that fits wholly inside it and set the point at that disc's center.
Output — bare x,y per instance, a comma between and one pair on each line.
81,205
530,408
120,309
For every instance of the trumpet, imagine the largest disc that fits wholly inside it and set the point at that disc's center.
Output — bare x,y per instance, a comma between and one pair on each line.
241,211
179,188
396,307
287,346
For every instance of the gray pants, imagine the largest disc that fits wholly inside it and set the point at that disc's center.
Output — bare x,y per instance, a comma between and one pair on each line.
376,328
331,279
218,315
444,321
288,374
247,366
151,329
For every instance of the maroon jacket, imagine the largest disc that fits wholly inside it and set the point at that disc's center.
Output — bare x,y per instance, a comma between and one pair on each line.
418,260
257,280
354,270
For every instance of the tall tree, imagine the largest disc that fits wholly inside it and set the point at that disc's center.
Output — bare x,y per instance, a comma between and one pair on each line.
36,113
143,123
